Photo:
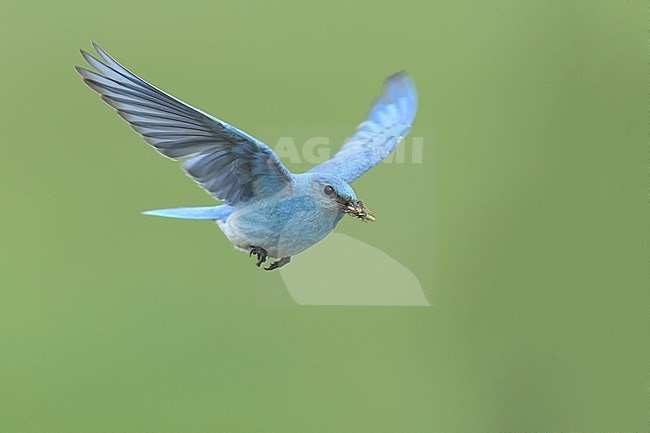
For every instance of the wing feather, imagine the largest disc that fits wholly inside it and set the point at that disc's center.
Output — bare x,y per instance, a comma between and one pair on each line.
389,121
228,163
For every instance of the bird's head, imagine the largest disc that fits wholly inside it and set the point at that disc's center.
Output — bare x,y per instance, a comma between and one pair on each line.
335,194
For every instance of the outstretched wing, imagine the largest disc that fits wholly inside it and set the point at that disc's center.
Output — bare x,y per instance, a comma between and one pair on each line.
389,120
228,163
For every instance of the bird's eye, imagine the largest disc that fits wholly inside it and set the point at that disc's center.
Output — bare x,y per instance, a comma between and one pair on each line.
328,190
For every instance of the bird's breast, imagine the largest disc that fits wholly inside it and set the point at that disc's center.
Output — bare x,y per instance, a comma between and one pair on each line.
284,228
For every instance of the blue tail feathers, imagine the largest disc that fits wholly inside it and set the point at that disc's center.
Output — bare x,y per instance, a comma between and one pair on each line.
194,213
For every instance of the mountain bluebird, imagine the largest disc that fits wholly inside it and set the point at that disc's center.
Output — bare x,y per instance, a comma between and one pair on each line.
267,210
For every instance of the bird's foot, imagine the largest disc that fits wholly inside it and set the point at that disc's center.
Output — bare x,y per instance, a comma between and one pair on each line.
283,261
261,255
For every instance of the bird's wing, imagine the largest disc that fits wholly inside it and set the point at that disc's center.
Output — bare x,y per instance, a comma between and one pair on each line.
228,163
389,120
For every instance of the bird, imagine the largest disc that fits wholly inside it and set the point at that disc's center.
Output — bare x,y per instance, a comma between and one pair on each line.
267,210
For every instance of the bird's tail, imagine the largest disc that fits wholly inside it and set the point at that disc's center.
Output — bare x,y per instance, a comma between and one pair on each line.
194,213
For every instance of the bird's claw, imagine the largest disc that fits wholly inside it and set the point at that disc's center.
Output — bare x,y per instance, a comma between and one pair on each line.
261,255
275,265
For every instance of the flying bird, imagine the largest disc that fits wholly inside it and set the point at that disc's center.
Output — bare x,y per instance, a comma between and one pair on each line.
267,211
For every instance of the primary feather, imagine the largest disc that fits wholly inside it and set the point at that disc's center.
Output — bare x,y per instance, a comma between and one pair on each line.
388,122
228,163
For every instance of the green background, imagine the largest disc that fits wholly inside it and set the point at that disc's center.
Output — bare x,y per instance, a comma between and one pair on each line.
526,223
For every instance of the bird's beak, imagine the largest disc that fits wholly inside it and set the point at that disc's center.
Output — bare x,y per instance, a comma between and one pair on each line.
356,208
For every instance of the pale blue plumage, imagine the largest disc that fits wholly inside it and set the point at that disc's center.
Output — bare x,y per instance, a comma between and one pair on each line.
268,210
389,120
193,213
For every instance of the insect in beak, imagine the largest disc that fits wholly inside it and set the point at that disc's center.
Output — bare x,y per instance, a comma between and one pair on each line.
357,209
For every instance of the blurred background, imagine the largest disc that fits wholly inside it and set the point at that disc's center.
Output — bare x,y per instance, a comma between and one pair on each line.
525,223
